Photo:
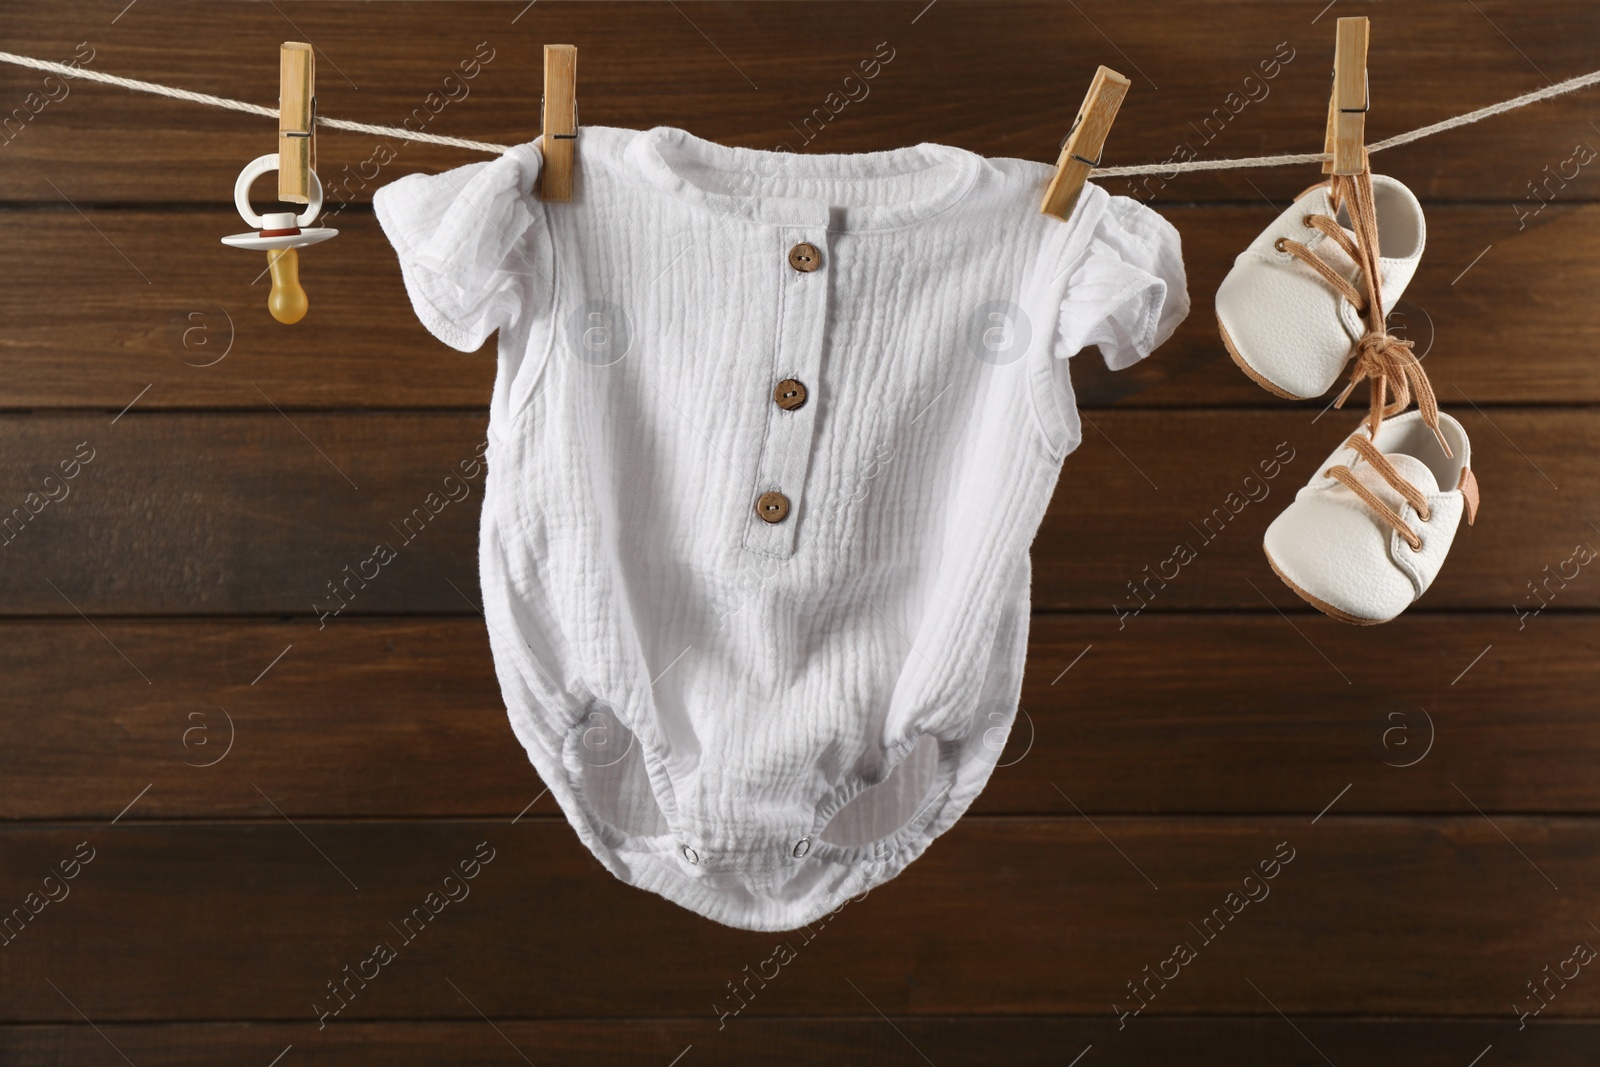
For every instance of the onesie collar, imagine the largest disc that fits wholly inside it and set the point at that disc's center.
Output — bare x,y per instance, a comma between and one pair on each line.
679,163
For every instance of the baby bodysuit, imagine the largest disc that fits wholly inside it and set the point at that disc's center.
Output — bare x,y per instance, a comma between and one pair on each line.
771,435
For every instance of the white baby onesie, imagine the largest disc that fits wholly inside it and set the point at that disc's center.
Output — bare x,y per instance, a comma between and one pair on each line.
770,438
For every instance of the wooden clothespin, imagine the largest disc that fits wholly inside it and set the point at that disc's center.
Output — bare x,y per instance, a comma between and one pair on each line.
297,116
1347,107
1081,148
558,115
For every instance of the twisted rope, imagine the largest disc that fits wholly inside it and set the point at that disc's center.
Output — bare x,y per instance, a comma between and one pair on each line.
66,70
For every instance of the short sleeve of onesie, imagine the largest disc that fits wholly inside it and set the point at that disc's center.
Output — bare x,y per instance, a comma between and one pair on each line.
460,240
771,437
1127,291
1113,277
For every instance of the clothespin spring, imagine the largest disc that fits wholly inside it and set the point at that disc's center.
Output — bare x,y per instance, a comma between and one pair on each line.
304,133
565,136
1367,96
1095,162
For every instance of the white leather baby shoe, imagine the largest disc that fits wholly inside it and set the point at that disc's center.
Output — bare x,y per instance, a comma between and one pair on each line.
1292,307
1366,537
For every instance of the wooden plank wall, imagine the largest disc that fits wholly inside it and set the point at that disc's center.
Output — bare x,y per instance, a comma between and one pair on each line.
250,796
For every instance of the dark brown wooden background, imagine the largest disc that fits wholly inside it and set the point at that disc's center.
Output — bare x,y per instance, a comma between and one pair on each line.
1436,777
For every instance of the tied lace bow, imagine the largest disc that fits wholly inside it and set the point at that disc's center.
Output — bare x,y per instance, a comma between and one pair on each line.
1395,371
1387,361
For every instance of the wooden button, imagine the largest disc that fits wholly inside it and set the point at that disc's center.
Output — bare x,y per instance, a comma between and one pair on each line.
805,257
790,394
772,507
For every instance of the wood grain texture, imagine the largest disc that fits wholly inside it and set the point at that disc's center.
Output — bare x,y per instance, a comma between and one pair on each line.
402,718
183,570
999,79
875,1042
999,917
103,304
1085,143
560,121
1347,117
297,77
253,513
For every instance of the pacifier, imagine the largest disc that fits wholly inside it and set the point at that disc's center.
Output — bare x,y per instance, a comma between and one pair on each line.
280,234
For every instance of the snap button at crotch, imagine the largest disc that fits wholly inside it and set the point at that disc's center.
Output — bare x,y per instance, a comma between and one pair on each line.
690,856
761,861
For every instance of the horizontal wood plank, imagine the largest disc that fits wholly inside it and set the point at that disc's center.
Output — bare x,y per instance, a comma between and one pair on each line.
1001,916
266,795
1000,79
902,1042
222,514
106,303
1147,482
1173,714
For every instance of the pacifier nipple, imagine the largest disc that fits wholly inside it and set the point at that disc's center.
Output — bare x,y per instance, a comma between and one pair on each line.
287,301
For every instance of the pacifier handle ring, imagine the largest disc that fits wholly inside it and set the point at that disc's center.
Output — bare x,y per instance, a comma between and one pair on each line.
255,169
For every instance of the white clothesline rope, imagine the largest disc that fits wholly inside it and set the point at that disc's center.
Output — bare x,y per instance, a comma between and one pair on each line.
66,70
1571,85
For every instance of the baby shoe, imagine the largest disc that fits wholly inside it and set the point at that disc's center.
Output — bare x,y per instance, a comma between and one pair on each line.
1290,311
1367,535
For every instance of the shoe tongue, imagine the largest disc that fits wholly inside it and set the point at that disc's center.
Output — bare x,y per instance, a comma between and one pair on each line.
1414,471
1331,251
1410,468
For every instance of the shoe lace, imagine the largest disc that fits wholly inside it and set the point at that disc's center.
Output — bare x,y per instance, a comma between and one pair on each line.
1366,450
1387,361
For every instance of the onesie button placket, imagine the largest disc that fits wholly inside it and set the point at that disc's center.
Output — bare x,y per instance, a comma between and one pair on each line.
799,287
